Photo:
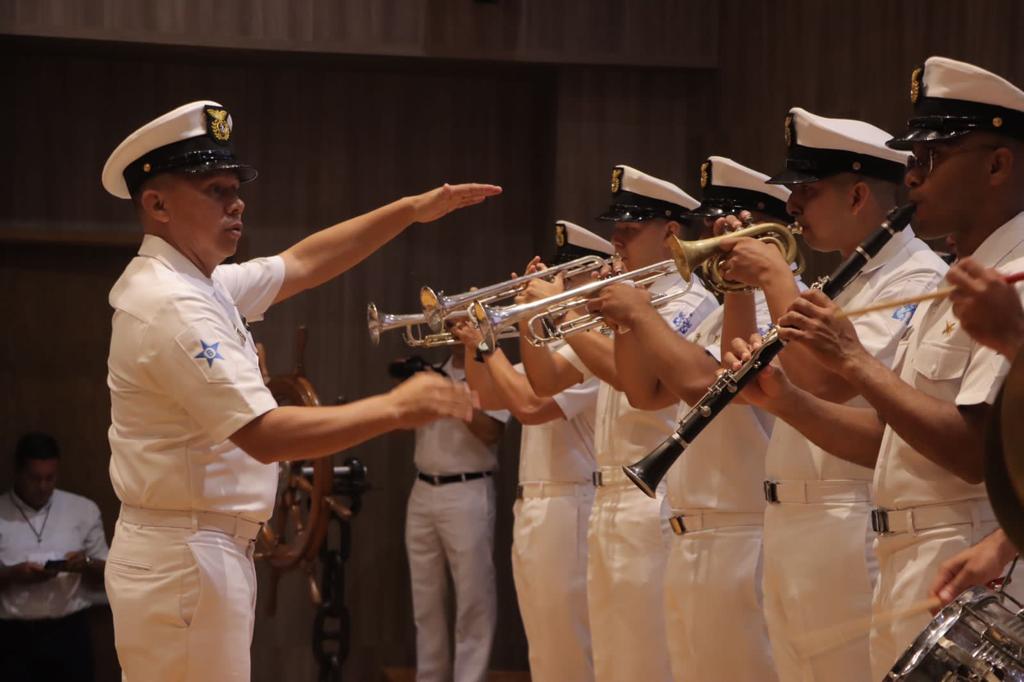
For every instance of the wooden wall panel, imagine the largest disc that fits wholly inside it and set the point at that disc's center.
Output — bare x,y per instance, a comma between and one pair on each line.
570,31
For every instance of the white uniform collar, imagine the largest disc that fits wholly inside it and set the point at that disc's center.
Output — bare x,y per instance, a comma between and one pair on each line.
26,507
1001,242
156,247
892,247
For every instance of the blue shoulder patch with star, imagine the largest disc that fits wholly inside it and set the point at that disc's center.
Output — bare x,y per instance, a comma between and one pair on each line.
904,313
210,352
682,322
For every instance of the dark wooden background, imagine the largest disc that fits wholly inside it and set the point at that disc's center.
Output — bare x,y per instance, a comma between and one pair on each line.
344,106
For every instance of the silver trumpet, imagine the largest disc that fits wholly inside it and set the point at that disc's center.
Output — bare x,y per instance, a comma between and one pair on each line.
543,317
437,307
412,326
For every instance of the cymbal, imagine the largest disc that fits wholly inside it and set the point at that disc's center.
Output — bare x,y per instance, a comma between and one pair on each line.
1004,454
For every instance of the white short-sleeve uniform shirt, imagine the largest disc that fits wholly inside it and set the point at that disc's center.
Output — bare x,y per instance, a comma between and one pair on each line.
940,359
622,433
562,450
723,468
447,446
183,376
905,266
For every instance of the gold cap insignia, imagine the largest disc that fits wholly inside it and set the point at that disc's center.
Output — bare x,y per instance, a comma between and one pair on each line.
997,122
217,124
146,167
559,234
788,132
915,85
616,179
705,174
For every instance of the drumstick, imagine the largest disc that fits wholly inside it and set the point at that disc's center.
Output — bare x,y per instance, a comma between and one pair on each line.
816,643
897,302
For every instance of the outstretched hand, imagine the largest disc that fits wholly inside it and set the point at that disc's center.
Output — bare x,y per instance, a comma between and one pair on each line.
441,201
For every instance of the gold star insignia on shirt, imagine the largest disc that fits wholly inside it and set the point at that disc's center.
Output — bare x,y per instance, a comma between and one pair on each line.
950,326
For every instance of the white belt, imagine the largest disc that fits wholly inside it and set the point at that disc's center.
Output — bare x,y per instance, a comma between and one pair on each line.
690,521
540,489
968,512
814,492
615,476
229,524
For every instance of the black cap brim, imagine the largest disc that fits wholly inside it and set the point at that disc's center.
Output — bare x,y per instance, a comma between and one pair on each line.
906,141
626,214
792,177
245,172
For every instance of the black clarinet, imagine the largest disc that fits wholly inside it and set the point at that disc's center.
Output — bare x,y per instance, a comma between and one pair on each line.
648,472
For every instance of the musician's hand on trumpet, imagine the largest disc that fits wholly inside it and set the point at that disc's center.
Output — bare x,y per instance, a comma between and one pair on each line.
468,334
977,565
989,308
442,200
619,304
754,262
812,322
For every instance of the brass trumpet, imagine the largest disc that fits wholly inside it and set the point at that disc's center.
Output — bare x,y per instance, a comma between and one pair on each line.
543,317
705,255
437,307
412,326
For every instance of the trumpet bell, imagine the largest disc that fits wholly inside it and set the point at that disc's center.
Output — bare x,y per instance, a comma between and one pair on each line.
430,300
373,323
706,254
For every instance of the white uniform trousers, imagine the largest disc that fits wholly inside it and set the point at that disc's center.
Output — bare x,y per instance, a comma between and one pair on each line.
713,606
549,566
627,549
184,603
452,526
819,572
908,564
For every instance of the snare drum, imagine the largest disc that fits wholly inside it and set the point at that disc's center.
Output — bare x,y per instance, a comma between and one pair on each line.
978,637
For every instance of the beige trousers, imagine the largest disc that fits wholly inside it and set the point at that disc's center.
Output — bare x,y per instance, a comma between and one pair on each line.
183,602
714,617
627,548
549,565
818,574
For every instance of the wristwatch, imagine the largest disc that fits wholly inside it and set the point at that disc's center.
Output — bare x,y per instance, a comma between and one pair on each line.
483,349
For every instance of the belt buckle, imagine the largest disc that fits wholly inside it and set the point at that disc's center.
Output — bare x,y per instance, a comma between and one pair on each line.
435,479
771,492
880,521
678,524
598,479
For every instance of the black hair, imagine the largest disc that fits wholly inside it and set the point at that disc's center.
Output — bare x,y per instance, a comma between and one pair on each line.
35,445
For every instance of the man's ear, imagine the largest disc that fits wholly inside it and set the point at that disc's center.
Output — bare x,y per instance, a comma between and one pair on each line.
860,194
672,227
151,203
1002,166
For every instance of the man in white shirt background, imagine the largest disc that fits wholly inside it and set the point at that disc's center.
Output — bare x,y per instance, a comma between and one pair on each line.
450,527
52,549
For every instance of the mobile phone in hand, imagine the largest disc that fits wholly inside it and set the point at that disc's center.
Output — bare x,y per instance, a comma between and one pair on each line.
56,565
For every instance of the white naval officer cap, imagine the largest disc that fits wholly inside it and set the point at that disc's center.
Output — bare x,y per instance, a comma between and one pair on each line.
728,187
573,241
194,138
637,196
954,98
818,147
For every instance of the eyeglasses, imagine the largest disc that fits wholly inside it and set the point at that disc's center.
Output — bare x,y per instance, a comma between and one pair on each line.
926,165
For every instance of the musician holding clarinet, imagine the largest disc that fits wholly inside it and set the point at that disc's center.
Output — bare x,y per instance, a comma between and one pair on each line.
844,180
966,178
